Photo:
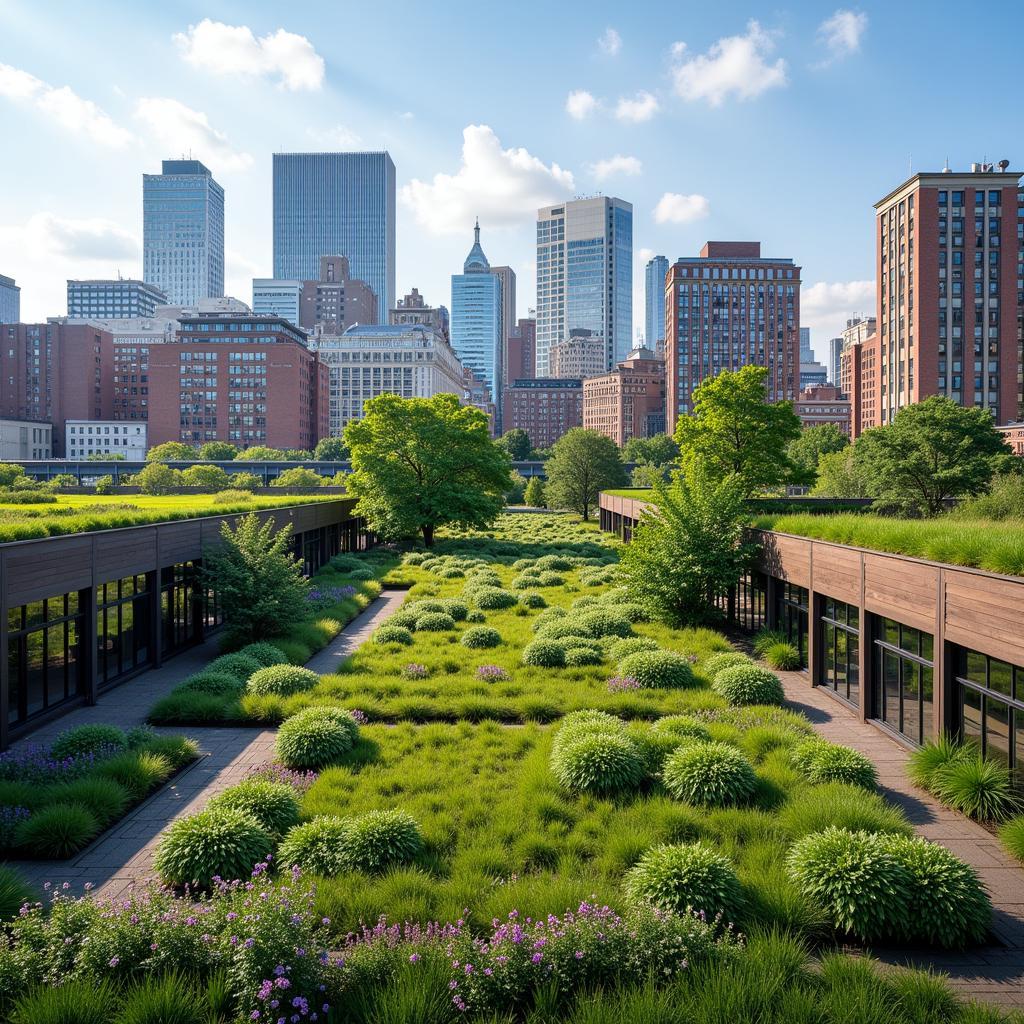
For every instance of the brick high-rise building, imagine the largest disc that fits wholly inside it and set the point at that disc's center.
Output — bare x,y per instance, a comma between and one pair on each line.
413,309
859,366
545,407
629,401
522,346
728,308
823,403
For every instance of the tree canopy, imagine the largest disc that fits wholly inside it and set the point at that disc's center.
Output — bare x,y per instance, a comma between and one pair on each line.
659,450
805,451
534,496
842,474
172,451
260,453
582,464
331,449
218,451
300,479
517,443
734,429
421,463
208,478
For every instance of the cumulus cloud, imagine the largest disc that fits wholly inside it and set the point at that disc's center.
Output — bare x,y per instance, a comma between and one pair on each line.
337,137
610,43
235,50
63,106
826,306
615,166
580,104
502,186
674,208
641,107
841,34
734,66
180,129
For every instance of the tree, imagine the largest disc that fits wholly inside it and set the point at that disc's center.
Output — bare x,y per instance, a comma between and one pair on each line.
296,455
645,475
534,496
582,464
932,451
206,478
515,494
104,484
244,481
419,463
105,457
688,548
171,451
659,450
62,482
805,452
300,479
260,453
157,478
218,451
734,429
331,449
517,443
258,580
10,474
842,474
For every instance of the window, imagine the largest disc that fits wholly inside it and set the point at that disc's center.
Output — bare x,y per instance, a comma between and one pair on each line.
840,634
752,600
990,706
791,615
122,627
903,691
179,590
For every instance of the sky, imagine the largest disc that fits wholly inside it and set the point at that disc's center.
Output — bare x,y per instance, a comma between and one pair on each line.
782,124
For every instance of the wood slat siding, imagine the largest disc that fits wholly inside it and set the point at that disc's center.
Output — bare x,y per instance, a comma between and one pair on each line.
901,589
837,572
36,571
786,558
986,614
117,557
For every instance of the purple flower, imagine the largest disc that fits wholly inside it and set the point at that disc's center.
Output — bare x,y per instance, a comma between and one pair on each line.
491,673
619,683
415,671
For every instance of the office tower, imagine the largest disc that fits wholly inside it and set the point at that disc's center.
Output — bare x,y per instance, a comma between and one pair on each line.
522,343
812,373
10,301
579,355
113,300
585,275
947,295
545,407
629,401
183,232
273,297
330,304
336,203
731,308
654,302
477,330
835,350
413,309
508,321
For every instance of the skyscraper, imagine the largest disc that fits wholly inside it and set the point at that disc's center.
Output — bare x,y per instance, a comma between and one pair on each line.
812,373
654,302
183,232
835,352
10,301
119,299
585,275
336,204
508,323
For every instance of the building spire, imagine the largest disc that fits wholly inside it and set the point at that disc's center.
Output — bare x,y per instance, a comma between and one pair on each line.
476,232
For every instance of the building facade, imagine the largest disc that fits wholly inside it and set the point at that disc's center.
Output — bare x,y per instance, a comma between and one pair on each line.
1013,435
728,308
859,367
821,404
835,350
183,232
83,438
120,299
812,373
585,276
273,297
340,203
25,439
545,407
508,320
413,309
629,401
579,355
654,302
521,353
476,393
10,301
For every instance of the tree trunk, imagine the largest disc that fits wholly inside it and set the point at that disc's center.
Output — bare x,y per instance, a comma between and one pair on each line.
428,536
586,511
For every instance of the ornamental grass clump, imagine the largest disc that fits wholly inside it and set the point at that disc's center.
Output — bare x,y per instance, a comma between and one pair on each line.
935,755
602,763
544,654
832,762
493,598
138,771
434,622
783,656
1011,835
839,805
94,738
379,840
391,633
272,804
711,774
748,684
105,799
56,831
764,638
219,843
683,726
316,737
480,637
281,681
724,659
686,877
978,787
239,665
658,669
265,653
316,846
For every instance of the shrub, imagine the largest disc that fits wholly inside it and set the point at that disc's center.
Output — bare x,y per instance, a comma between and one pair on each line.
137,770
784,656
658,669
977,787
103,798
855,878
601,622
389,634
88,739
56,831
239,665
219,684
577,657
598,762
456,609
764,638
216,843
628,610
14,892
682,726
531,599
813,808
621,647
550,579
379,840
434,622
272,804
802,756
585,723
924,762
316,737
748,684
724,659
91,1001
1011,835
834,763
295,651
475,616
315,846
265,653
492,598
713,773
281,680
686,877
544,654
480,636
165,999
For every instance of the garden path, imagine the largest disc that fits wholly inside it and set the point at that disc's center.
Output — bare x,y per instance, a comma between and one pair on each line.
994,974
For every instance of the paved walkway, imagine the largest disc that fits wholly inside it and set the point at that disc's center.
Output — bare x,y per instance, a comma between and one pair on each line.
995,973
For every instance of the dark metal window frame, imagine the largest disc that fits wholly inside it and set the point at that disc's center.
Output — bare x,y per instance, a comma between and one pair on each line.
829,653
124,667
1013,703
880,648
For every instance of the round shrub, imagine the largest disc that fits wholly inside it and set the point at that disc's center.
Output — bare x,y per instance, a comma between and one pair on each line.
56,831
220,684
315,846
265,653
658,669
783,656
835,763
803,754
272,804
600,622
550,579
748,684
621,647
379,840
577,657
390,634
458,610
686,877
239,665
88,739
585,723
546,616
655,748
629,610
281,681
855,878
451,573
362,575
476,617
544,654
418,608
559,629
598,762
404,618
554,562
683,726
480,636
713,774
491,598
724,659
531,599
316,737
434,622
217,843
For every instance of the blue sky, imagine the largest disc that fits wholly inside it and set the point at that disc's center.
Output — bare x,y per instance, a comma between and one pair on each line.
726,121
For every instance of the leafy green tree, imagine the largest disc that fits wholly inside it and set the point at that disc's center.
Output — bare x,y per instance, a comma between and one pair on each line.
420,463
300,479
171,451
517,443
206,478
158,478
340,479
258,579
582,464
515,494
843,474
104,484
932,451
10,474
689,547
659,450
244,481
260,453
218,451
734,429
331,449
805,452
62,482
297,455
645,475
105,457
534,496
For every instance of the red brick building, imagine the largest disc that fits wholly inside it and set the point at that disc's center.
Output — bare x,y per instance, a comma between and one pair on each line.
520,355
337,300
821,404
629,401
859,367
545,407
1013,434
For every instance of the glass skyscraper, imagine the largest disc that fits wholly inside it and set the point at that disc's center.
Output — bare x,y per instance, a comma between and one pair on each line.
339,204
585,275
183,232
10,301
654,302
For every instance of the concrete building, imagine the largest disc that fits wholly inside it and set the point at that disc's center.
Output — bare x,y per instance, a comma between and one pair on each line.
507,276
821,404
330,304
585,275
477,394
545,407
731,308
629,401
183,232
410,360
835,350
273,297
812,373
10,301
579,355
340,203
413,309
654,302
120,299
521,355
83,438
25,439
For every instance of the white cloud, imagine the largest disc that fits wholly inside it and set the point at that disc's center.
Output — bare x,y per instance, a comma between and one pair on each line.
616,165
338,137
180,129
841,34
642,107
407,115
826,306
501,186
610,43
580,104
234,50
733,66
674,208
63,106
644,254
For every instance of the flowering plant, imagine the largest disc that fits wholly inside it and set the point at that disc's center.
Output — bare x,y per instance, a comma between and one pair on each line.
619,683
271,771
34,763
323,598
415,671
491,673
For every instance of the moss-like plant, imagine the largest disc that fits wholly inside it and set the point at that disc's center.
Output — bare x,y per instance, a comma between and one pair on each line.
272,804
480,636
713,774
658,669
544,654
239,665
724,659
748,684
434,622
265,653
391,633
600,622
598,762
458,610
216,843
316,737
88,739
316,846
379,840
686,877
281,681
